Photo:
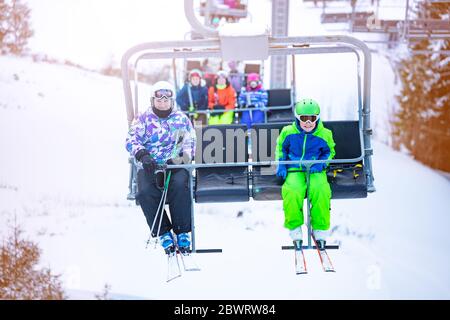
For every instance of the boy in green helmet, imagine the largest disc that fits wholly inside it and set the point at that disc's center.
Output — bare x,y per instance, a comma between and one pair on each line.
305,139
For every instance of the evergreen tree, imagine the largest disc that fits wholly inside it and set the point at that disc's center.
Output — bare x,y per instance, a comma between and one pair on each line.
422,123
20,277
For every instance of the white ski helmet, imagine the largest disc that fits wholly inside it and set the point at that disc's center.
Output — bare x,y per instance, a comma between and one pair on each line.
223,74
163,88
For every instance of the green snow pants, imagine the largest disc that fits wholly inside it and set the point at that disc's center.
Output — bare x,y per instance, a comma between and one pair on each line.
294,192
224,118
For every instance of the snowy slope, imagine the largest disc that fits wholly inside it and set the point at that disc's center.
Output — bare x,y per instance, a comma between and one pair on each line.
63,175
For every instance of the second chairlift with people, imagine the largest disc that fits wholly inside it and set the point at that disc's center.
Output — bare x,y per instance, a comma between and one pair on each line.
252,102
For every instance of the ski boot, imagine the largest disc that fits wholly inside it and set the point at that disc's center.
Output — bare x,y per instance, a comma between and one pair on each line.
321,244
298,245
184,247
167,242
319,237
184,243
173,267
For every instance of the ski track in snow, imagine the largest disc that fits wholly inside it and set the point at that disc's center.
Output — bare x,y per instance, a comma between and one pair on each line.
64,177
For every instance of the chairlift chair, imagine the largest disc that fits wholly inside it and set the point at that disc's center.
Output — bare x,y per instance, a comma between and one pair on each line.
238,177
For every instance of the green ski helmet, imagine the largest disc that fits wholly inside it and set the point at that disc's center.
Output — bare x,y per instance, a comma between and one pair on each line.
307,107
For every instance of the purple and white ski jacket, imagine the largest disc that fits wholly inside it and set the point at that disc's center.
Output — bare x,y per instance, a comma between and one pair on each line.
164,139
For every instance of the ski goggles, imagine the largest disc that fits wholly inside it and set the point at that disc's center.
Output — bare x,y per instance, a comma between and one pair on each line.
306,118
163,93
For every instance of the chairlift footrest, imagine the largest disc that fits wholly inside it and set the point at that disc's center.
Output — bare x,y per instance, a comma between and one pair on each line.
328,247
208,251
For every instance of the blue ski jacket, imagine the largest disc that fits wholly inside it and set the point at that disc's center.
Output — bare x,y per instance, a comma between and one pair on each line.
199,97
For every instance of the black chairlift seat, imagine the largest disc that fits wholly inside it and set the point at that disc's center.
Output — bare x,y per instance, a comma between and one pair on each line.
282,100
223,184
265,183
347,180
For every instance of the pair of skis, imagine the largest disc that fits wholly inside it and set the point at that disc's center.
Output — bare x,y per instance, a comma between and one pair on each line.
173,264
300,261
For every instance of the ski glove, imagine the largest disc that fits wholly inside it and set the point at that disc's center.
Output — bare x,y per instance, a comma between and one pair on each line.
183,158
161,167
282,171
317,168
147,162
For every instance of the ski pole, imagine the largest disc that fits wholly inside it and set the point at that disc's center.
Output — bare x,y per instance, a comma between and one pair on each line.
157,210
308,205
164,196
154,219
162,202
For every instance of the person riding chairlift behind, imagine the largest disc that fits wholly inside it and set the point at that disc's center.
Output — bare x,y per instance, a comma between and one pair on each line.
255,98
221,97
194,96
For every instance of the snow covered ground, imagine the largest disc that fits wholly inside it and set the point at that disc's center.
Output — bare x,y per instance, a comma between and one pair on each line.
64,176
